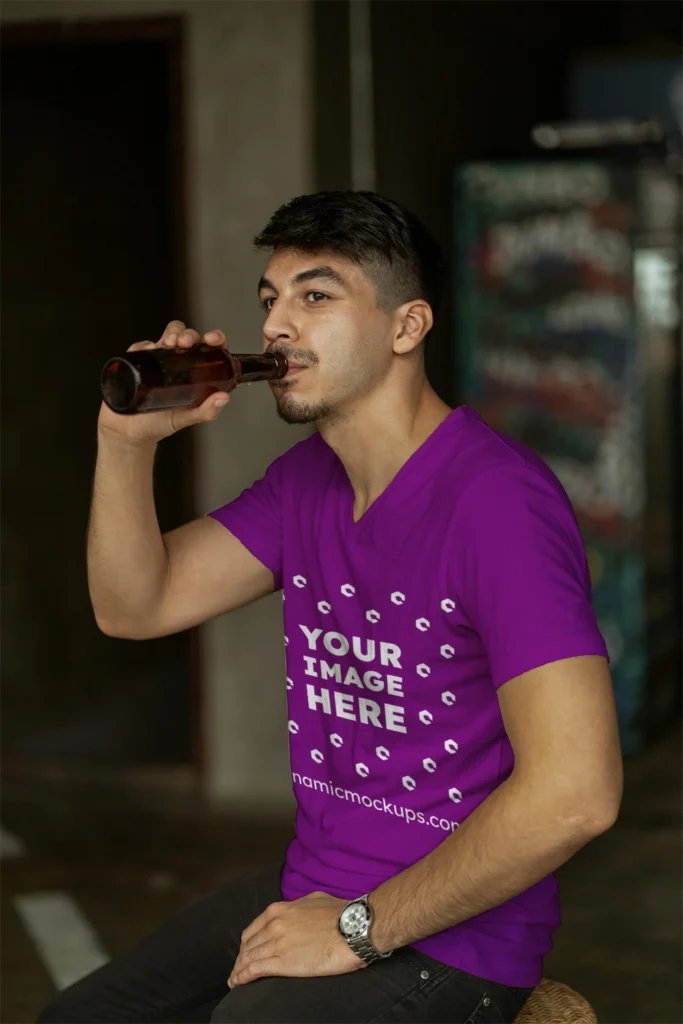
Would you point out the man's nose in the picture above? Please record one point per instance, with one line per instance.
(278, 326)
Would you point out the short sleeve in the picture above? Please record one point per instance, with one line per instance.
(255, 518)
(521, 572)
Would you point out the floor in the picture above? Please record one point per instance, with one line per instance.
(621, 941)
(128, 861)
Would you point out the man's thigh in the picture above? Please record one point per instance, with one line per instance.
(407, 987)
(182, 965)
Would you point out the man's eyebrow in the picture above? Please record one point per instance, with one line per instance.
(314, 273)
(325, 272)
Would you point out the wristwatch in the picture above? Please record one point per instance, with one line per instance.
(354, 925)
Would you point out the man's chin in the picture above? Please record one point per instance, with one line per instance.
(294, 410)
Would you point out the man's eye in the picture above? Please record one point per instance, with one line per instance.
(316, 296)
(267, 304)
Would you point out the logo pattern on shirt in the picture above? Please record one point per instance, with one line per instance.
(325, 667)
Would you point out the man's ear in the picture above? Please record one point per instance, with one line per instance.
(415, 320)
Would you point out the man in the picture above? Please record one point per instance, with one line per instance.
(452, 729)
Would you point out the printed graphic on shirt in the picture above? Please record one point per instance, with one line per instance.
(354, 677)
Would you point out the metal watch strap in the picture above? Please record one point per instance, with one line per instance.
(363, 948)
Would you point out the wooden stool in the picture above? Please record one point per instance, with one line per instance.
(551, 1002)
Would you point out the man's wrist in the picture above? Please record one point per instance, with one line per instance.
(378, 931)
(119, 443)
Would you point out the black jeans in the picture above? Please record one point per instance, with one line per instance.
(179, 974)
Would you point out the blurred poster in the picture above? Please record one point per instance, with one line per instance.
(548, 353)
(619, 86)
(606, 86)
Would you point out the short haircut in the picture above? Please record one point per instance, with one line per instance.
(393, 248)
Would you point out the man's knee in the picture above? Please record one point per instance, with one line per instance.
(220, 1014)
(73, 1005)
(59, 1011)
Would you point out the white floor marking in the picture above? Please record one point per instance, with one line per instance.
(66, 942)
(10, 845)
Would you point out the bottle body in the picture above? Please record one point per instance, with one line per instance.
(153, 379)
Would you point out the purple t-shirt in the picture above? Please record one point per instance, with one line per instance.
(466, 571)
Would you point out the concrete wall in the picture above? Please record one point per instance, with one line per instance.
(249, 148)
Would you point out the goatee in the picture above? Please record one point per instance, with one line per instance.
(291, 411)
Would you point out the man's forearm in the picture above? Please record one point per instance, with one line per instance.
(127, 560)
(515, 838)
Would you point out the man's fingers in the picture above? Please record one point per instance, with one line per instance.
(184, 339)
(266, 935)
(242, 974)
(177, 335)
(264, 949)
(257, 925)
(216, 338)
(188, 337)
(139, 345)
(172, 329)
(259, 922)
(180, 339)
(270, 914)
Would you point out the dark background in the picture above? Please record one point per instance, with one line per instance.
(458, 81)
(92, 252)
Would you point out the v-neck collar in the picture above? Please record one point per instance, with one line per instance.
(417, 468)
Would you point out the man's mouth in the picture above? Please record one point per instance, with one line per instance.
(294, 369)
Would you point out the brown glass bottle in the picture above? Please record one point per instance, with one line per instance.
(156, 378)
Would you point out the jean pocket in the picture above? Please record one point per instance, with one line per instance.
(499, 1008)
(425, 967)
(481, 1012)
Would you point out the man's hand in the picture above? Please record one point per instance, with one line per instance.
(155, 426)
(298, 939)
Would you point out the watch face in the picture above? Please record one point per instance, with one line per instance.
(353, 919)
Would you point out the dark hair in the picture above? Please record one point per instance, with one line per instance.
(393, 247)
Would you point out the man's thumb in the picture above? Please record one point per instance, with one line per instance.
(204, 413)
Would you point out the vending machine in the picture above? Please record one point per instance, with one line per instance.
(567, 337)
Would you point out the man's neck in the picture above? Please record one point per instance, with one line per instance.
(375, 439)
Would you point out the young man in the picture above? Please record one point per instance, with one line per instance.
(452, 729)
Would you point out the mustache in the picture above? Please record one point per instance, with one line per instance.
(291, 354)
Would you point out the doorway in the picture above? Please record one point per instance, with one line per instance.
(93, 248)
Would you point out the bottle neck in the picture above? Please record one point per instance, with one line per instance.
(251, 368)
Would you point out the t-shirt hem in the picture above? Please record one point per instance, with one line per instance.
(519, 973)
(577, 649)
(495, 957)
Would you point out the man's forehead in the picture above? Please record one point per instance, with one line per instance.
(289, 266)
